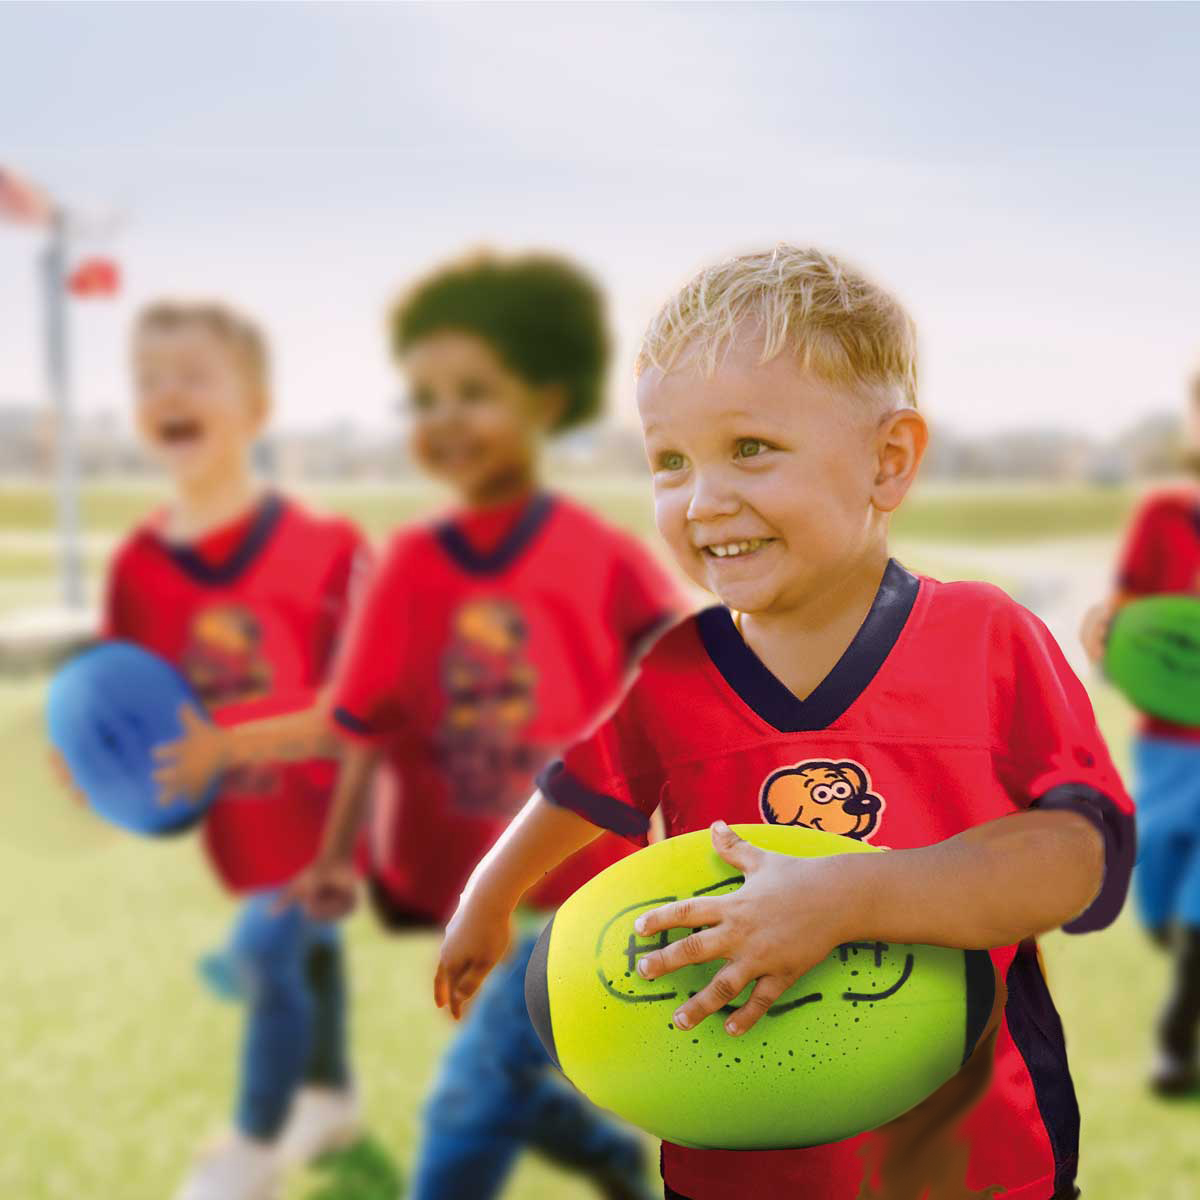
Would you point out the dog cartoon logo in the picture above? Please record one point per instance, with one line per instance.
(834, 797)
(223, 660)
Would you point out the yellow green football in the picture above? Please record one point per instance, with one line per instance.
(857, 1041)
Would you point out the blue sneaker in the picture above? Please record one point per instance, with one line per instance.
(221, 974)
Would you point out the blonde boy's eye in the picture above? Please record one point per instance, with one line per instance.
(420, 400)
(750, 447)
(670, 460)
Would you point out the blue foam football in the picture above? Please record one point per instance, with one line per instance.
(106, 710)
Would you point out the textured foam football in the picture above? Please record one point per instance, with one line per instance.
(106, 710)
(1153, 656)
(861, 1038)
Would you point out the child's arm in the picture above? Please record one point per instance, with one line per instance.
(328, 888)
(187, 766)
(991, 885)
(540, 838)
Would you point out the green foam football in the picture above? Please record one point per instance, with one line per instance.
(858, 1040)
(1153, 656)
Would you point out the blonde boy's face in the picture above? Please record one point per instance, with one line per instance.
(763, 476)
(197, 410)
(476, 424)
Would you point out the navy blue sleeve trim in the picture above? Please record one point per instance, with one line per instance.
(560, 787)
(1120, 849)
(347, 720)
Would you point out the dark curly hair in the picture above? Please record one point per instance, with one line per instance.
(543, 315)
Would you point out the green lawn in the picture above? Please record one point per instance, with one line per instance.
(933, 513)
(114, 1064)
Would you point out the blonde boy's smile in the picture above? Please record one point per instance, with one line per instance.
(736, 549)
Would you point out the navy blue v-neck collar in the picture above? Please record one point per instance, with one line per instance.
(746, 673)
(457, 545)
(270, 511)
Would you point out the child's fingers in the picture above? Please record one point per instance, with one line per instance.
(724, 988)
(736, 851)
(166, 752)
(692, 912)
(465, 986)
(441, 991)
(766, 991)
(701, 945)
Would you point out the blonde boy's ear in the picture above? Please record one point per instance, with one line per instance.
(900, 445)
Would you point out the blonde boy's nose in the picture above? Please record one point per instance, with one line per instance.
(710, 499)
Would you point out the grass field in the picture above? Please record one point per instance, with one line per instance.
(114, 1064)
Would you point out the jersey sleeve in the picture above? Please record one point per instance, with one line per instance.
(643, 598)
(1139, 568)
(1051, 755)
(368, 679)
(610, 777)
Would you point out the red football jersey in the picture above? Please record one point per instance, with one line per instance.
(1162, 554)
(251, 616)
(952, 706)
(471, 668)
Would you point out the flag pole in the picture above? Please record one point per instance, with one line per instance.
(58, 375)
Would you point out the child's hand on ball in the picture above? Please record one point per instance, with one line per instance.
(787, 917)
(1093, 632)
(476, 940)
(186, 767)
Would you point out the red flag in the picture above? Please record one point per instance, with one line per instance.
(23, 201)
(94, 277)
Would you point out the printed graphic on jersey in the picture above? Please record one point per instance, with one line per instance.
(834, 797)
(223, 658)
(491, 688)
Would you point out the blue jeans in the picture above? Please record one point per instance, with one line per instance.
(1167, 879)
(497, 1093)
(289, 972)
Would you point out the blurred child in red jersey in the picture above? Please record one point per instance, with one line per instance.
(1162, 554)
(488, 640)
(246, 592)
(834, 689)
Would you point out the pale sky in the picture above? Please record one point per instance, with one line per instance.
(1025, 177)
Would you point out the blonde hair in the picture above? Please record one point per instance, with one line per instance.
(836, 322)
(243, 336)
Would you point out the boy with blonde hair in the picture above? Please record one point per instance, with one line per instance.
(778, 397)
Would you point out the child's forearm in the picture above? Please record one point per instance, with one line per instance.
(541, 837)
(291, 737)
(349, 805)
(992, 885)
